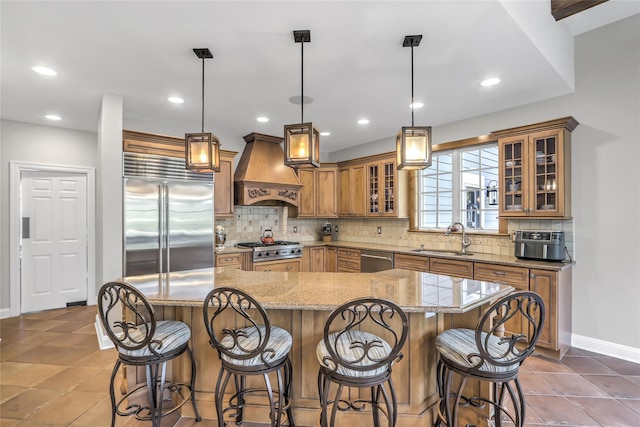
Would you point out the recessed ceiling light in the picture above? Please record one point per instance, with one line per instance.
(416, 105)
(53, 117)
(363, 122)
(490, 82)
(263, 119)
(325, 133)
(175, 100)
(44, 71)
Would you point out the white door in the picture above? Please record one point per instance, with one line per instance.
(53, 235)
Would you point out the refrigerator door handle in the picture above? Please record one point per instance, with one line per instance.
(166, 231)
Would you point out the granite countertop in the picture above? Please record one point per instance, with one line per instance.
(413, 291)
(475, 257)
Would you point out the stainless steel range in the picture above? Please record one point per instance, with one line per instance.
(275, 251)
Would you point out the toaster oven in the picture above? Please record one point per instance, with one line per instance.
(541, 245)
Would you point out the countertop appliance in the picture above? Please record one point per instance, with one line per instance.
(168, 216)
(372, 261)
(280, 249)
(542, 245)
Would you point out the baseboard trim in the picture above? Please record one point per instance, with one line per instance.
(5, 313)
(103, 340)
(607, 348)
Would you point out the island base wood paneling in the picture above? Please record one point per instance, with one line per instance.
(414, 376)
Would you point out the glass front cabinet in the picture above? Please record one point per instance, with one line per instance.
(535, 170)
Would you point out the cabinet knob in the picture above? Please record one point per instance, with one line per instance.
(290, 267)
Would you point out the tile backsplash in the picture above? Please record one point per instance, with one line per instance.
(249, 222)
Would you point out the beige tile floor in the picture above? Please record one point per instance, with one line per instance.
(52, 373)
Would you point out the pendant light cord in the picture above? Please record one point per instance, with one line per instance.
(202, 94)
(302, 82)
(412, 106)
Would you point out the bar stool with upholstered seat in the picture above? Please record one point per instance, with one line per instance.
(483, 354)
(362, 339)
(247, 344)
(129, 321)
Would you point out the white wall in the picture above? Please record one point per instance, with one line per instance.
(36, 144)
(605, 175)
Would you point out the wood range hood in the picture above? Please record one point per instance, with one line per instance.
(261, 177)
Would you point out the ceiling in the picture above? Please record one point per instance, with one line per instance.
(355, 66)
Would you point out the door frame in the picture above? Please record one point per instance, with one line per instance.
(15, 174)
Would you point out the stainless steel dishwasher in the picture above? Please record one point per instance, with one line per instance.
(372, 261)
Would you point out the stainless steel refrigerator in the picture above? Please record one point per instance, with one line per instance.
(168, 216)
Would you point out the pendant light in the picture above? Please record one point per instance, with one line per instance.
(202, 150)
(302, 140)
(413, 144)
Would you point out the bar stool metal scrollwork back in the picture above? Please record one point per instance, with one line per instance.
(130, 322)
(362, 340)
(484, 354)
(247, 344)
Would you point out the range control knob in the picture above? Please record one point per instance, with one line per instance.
(266, 254)
(259, 254)
(277, 253)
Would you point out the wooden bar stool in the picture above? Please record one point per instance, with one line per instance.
(362, 339)
(247, 344)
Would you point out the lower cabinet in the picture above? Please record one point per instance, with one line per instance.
(287, 265)
(451, 267)
(331, 259)
(317, 258)
(348, 260)
(229, 260)
(411, 262)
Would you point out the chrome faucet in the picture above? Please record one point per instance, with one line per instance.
(465, 242)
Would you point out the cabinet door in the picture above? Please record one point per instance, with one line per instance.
(307, 206)
(317, 259)
(223, 189)
(290, 266)
(326, 189)
(513, 153)
(344, 193)
(411, 262)
(545, 284)
(547, 177)
(357, 190)
(374, 198)
(450, 267)
(331, 259)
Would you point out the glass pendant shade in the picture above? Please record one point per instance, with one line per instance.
(301, 145)
(202, 152)
(413, 147)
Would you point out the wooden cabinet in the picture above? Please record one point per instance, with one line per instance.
(351, 196)
(288, 266)
(229, 260)
(384, 189)
(223, 186)
(451, 267)
(317, 258)
(348, 260)
(331, 259)
(319, 192)
(411, 262)
(518, 277)
(535, 169)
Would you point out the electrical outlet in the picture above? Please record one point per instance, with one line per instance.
(379, 230)
(336, 228)
(295, 229)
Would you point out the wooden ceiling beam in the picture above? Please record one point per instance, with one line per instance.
(564, 8)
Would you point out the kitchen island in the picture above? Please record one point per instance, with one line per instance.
(300, 303)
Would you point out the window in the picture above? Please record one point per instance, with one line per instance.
(455, 188)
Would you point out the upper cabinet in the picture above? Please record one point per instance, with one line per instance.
(535, 169)
(318, 195)
(223, 186)
(352, 191)
(373, 186)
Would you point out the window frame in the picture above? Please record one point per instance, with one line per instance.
(415, 187)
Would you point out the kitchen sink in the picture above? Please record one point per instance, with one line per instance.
(441, 252)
